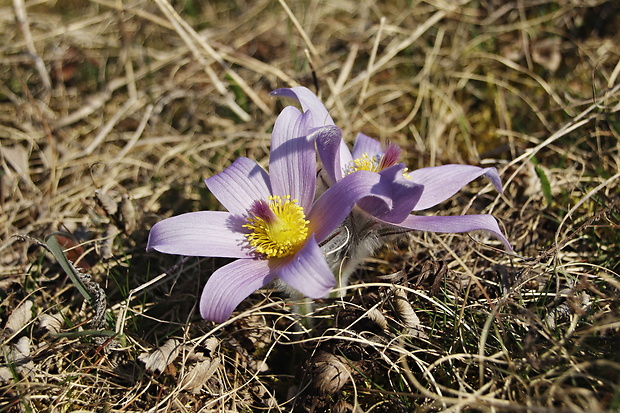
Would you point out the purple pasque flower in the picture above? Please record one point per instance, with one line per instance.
(434, 184)
(273, 225)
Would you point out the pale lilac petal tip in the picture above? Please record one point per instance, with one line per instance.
(442, 182)
(309, 102)
(307, 271)
(239, 185)
(200, 234)
(366, 145)
(230, 285)
(456, 224)
(492, 175)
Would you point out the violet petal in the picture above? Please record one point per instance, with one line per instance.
(366, 145)
(333, 153)
(201, 234)
(307, 271)
(403, 192)
(292, 164)
(442, 182)
(309, 102)
(239, 185)
(334, 205)
(455, 223)
(230, 285)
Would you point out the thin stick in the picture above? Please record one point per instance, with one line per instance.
(22, 19)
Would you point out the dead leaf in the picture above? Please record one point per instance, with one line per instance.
(109, 205)
(5, 374)
(211, 344)
(19, 356)
(105, 249)
(199, 374)
(376, 316)
(161, 357)
(51, 322)
(127, 214)
(19, 317)
(329, 372)
(406, 313)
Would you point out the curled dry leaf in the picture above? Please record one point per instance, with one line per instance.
(19, 356)
(109, 205)
(342, 406)
(158, 359)
(406, 313)
(105, 249)
(127, 214)
(398, 277)
(211, 345)
(199, 374)
(376, 316)
(19, 317)
(329, 372)
(51, 322)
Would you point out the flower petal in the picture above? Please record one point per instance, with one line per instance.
(292, 164)
(441, 182)
(403, 192)
(309, 102)
(307, 271)
(366, 145)
(333, 152)
(334, 205)
(230, 285)
(201, 234)
(456, 223)
(239, 185)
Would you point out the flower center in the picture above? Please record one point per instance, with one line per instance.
(364, 163)
(376, 163)
(278, 227)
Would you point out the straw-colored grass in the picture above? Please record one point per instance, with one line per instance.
(129, 105)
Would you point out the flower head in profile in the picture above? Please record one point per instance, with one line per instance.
(410, 191)
(272, 224)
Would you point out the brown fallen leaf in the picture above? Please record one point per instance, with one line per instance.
(159, 358)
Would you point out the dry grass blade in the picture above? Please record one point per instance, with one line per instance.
(190, 36)
(22, 19)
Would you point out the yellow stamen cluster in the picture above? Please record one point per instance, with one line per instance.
(364, 163)
(282, 233)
